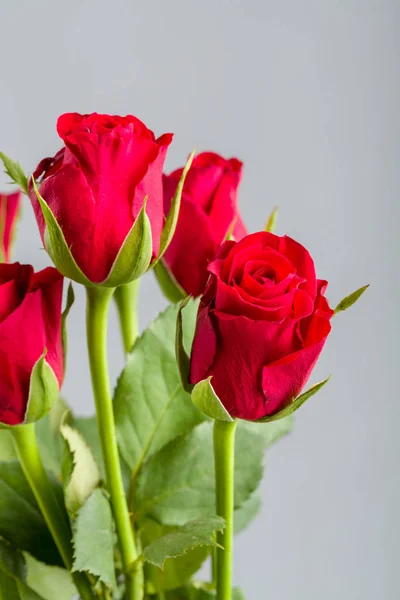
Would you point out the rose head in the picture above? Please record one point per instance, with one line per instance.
(96, 186)
(30, 341)
(9, 209)
(262, 323)
(208, 212)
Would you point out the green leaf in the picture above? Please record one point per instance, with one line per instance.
(15, 172)
(13, 575)
(43, 391)
(177, 484)
(94, 539)
(168, 284)
(192, 535)
(50, 582)
(182, 357)
(247, 512)
(172, 218)
(350, 300)
(272, 219)
(56, 246)
(150, 405)
(68, 306)
(12, 561)
(135, 254)
(7, 448)
(48, 436)
(207, 401)
(200, 591)
(176, 572)
(296, 403)
(272, 432)
(21, 522)
(80, 472)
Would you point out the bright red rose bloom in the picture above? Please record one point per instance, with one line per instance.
(30, 324)
(96, 185)
(9, 210)
(208, 211)
(262, 323)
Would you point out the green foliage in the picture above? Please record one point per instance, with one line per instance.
(94, 539)
(168, 284)
(199, 591)
(80, 472)
(182, 357)
(15, 172)
(68, 306)
(21, 522)
(192, 535)
(151, 407)
(13, 576)
(272, 219)
(175, 573)
(350, 300)
(177, 484)
(49, 582)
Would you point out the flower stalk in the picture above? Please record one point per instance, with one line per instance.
(98, 300)
(224, 457)
(126, 298)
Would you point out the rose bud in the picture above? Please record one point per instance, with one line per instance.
(9, 211)
(262, 323)
(31, 353)
(99, 200)
(208, 214)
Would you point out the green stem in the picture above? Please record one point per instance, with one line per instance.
(126, 297)
(26, 445)
(224, 456)
(98, 301)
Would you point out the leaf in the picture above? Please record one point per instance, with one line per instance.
(94, 539)
(7, 448)
(177, 484)
(68, 306)
(172, 218)
(13, 575)
(21, 522)
(135, 254)
(43, 391)
(176, 572)
(48, 436)
(207, 401)
(296, 403)
(272, 432)
(182, 357)
(15, 172)
(168, 284)
(200, 591)
(50, 582)
(350, 300)
(192, 535)
(272, 219)
(80, 471)
(151, 407)
(247, 512)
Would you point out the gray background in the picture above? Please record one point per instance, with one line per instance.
(307, 95)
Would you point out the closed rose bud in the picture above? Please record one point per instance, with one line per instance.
(262, 323)
(31, 353)
(207, 215)
(96, 187)
(9, 210)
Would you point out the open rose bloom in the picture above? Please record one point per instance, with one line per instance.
(262, 323)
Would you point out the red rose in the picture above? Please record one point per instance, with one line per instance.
(96, 185)
(9, 209)
(30, 324)
(208, 211)
(262, 323)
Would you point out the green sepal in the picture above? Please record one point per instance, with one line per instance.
(135, 254)
(172, 218)
(132, 261)
(197, 533)
(350, 300)
(68, 306)
(272, 219)
(207, 401)
(16, 173)
(43, 391)
(296, 403)
(182, 357)
(168, 284)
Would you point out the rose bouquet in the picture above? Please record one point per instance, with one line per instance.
(130, 503)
